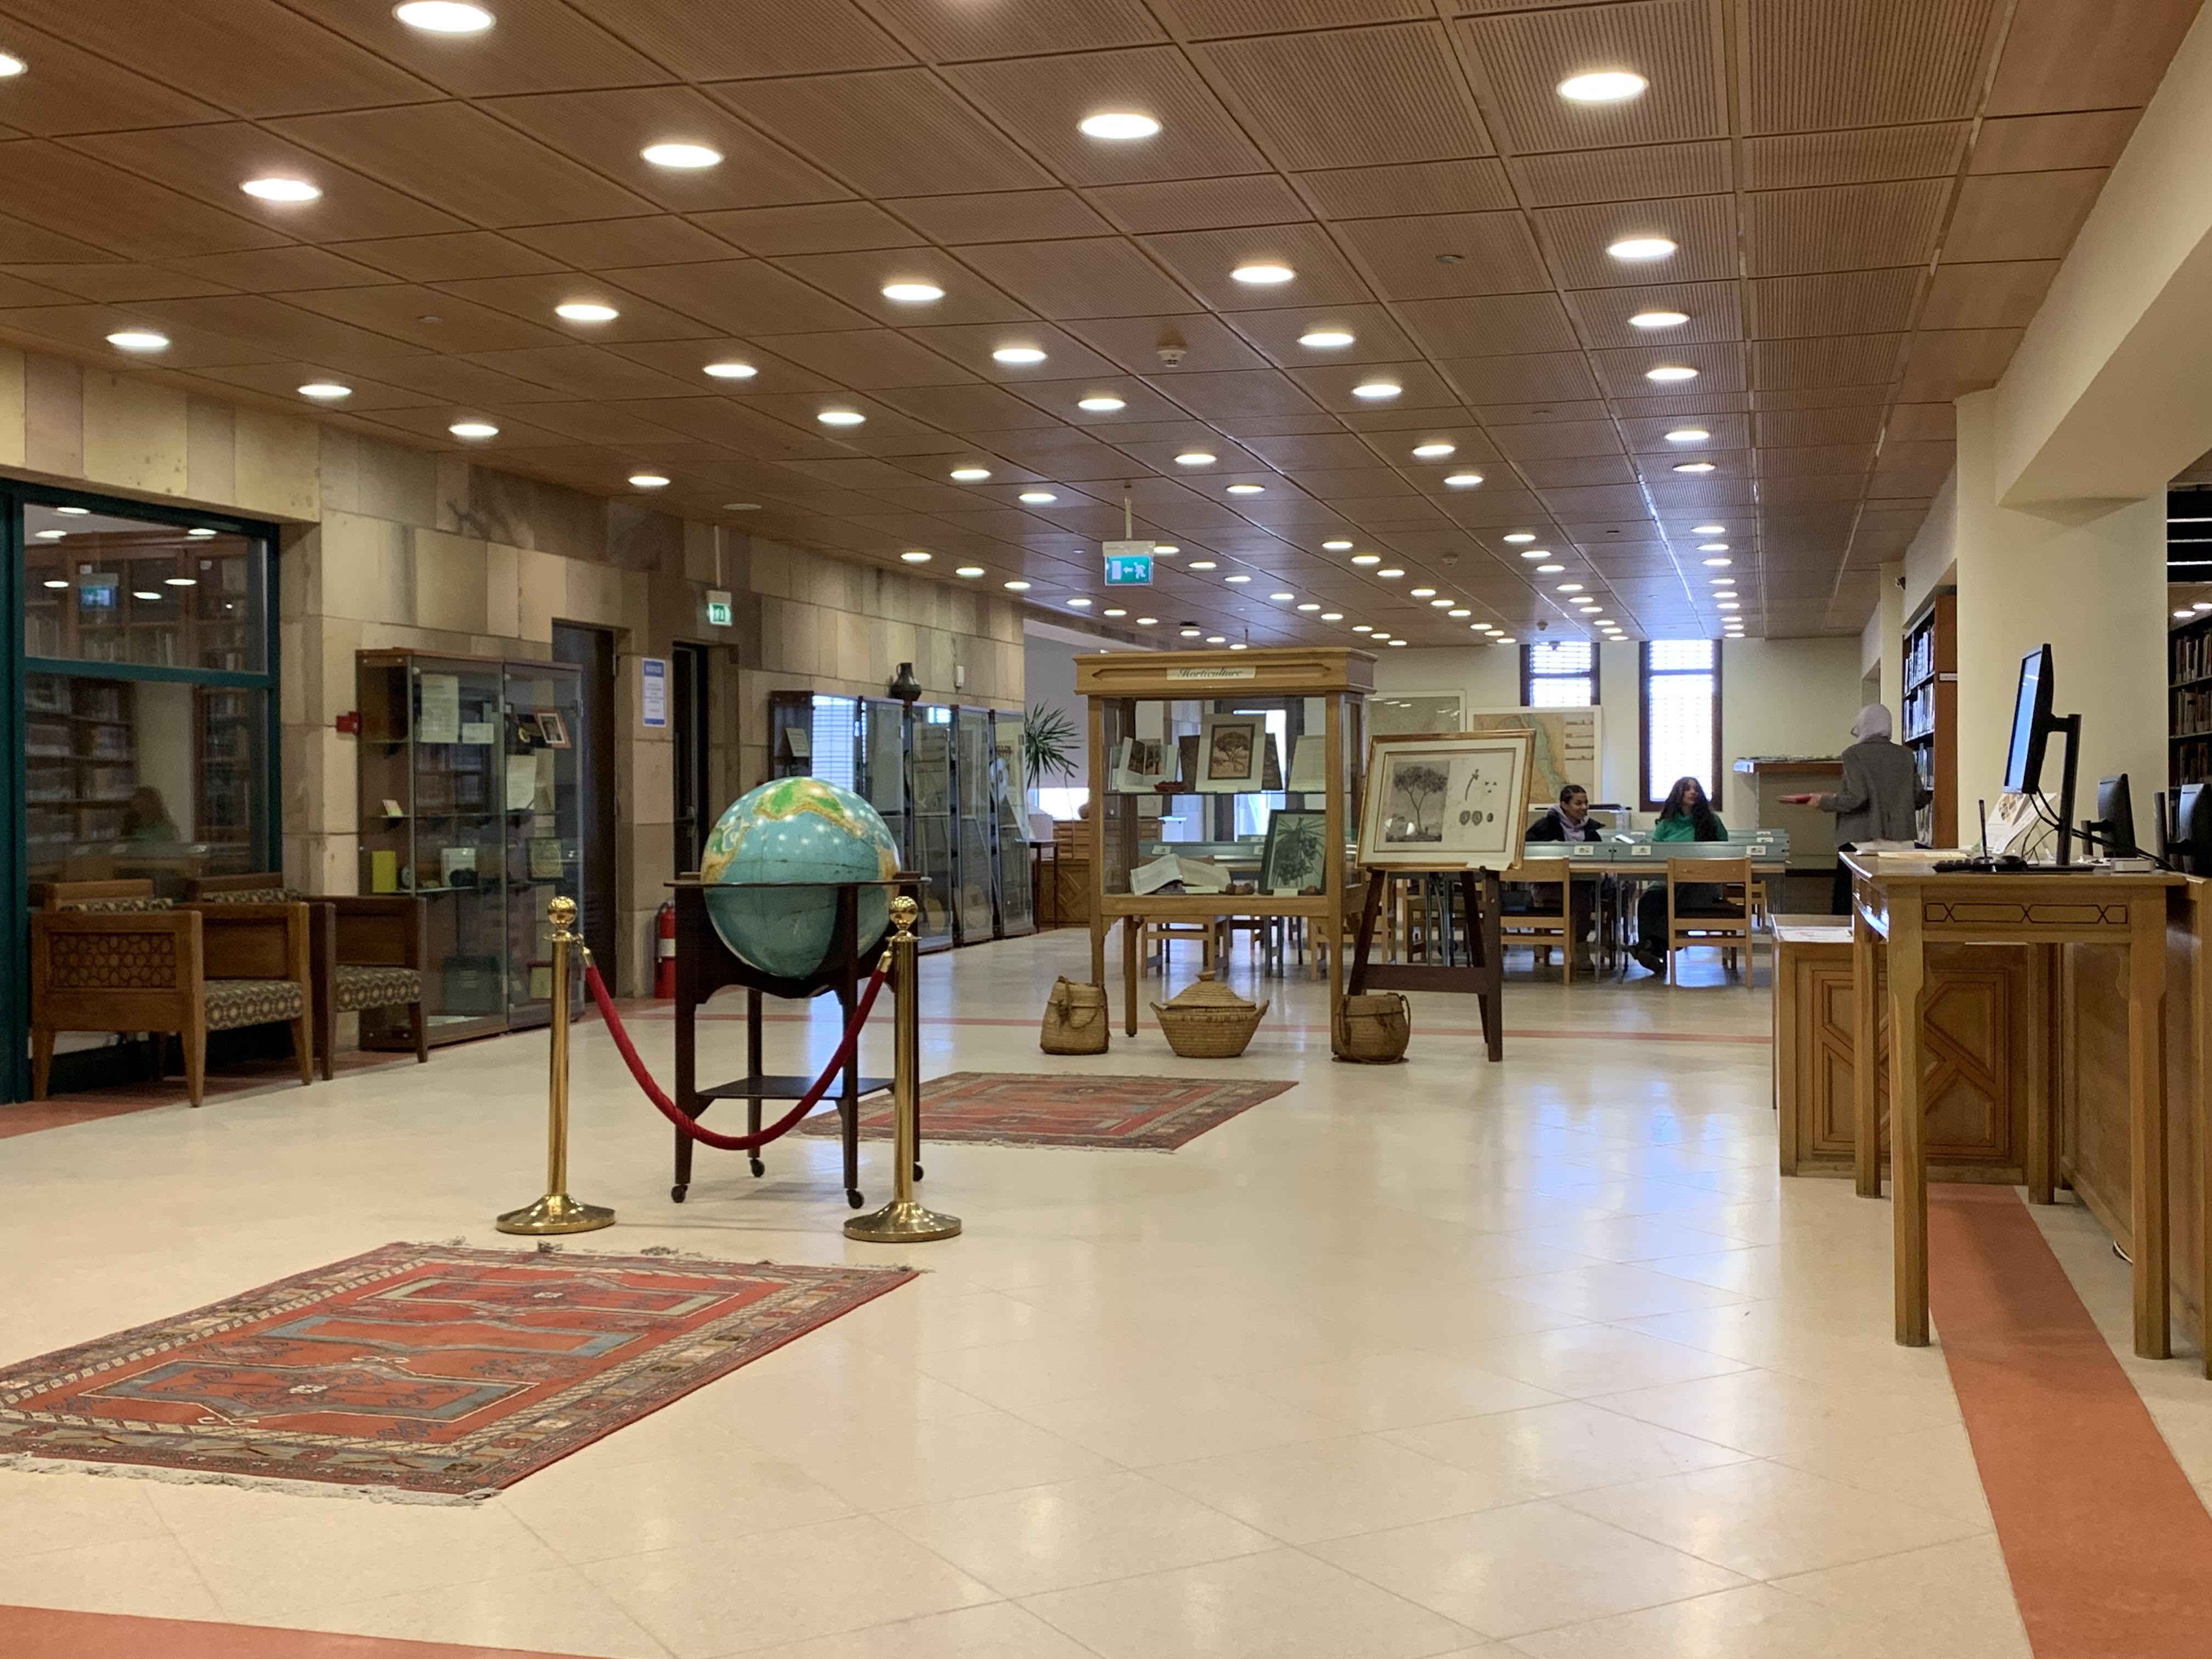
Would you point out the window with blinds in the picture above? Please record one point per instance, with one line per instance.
(833, 725)
(1681, 717)
(1559, 674)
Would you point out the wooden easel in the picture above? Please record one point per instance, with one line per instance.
(1483, 980)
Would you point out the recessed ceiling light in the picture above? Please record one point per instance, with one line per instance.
(1332, 615)
(1190, 631)
(1361, 627)
(1659, 319)
(1667, 373)
(1114, 610)
(1336, 545)
(1236, 579)
(1394, 643)
(1433, 452)
(1148, 621)
(1517, 537)
(1504, 639)
(1688, 435)
(1708, 530)
(1603, 87)
(1309, 606)
(1391, 574)
(1166, 549)
(685, 157)
(1247, 489)
(1716, 564)
(473, 429)
(1282, 599)
(50, 535)
(1240, 646)
(443, 16)
(142, 594)
(841, 417)
(911, 292)
(1374, 391)
(1204, 564)
(587, 310)
(1018, 587)
(1721, 581)
(741, 506)
(1195, 458)
(11, 66)
(915, 555)
(1263, 274)
(1017, 355)
(1102, 404)
(1367, 558)
(74, 512)
(202, 533)
(971, 570)
(1713, 547)
(1602, 621)
(1641, 247)
(326, 390)
(1570, 587)
(1458, 613)
(1728, 604)
(1037, 497)
(281, 190)
(1463, 480)
(1118, 124)
(1440, 605)
(649, 480)
(971, 474)
(1422, 593)
(1549, 569)
(732, 371)
(1326, 339)
(180, 581)
(1217, 639)
(1694, 466)
(138, 339)
(1079, 604)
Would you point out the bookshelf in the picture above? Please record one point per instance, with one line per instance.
(1930, 714)
(2189, 702)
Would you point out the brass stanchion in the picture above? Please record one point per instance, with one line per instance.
(557, 1212)
(904, 1220)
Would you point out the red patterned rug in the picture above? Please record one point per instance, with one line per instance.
(1053, 1108)
(426, 1368)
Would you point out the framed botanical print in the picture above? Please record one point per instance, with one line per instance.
(1295, 857)
(1449, 801)
(1231, 754)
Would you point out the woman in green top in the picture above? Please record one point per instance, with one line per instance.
(1687, 816)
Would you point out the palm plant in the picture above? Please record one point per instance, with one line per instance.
(1048, 743)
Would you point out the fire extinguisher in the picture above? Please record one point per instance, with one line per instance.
(663, 964)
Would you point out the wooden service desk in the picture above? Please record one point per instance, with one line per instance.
(1900, 908)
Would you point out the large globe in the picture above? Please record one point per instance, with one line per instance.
(795, 830)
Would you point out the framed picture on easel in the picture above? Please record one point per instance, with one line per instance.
(1445, 801)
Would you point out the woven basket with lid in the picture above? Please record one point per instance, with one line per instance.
(1206, 1020)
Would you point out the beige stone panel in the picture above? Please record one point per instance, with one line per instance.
(652, 780)
(699, 552)
(595, 594)
(933, 663)
(326, 864)
(402, 483)
(299, 575)
(210, 450)
(775, 568)
(339, 468)
(11, 406)
(134, 433)
(279, 465)
(337, 687)
(292, 639)
(367, 570)
(451, 578)
(895, 641)
(542, 588)
(502, 590)
(851, 657)
(967, 612)
(835, 585)
(53, 416)
(636, 604)
(449, 492)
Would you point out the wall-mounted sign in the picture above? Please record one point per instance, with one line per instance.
(653, 691)
(1128, 564)
(720, 613)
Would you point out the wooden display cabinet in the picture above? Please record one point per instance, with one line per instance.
(1930, 714)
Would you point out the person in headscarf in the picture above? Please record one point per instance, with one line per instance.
(1881, 797)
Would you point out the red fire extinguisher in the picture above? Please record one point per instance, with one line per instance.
(664, 963)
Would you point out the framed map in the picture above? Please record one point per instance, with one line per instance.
(1566, 749)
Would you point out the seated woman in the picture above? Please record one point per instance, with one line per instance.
(1687, 816)
(1570, 820)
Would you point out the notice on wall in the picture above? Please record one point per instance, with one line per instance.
(440, 718)
(480, 732)
(653, 691)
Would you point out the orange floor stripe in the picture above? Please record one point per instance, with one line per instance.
(2109, 1546)
(47, 1633)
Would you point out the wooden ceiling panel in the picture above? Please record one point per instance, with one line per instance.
(1331, 386)
(473, 387)
(117, 211)
(540, 46)
(1674, 43)
(21, 243)
(1998, 296)
(1529, 379)
(457, 257)
(859, 279)
(120, 284)
(1784, 461)
(76, 91)
(267, 270)
(889, 132)
(1822, 397)
(1553, 472)
(1947, 363)
(1080, 277)
(1821, 487)
(15, 292)
(741, 296)
(1230, 397)
(659, 238)
(1702, 227)
(1924, 422)
(1428, 188)
(582, 372)
(950, 30)
(1843, 228)
(1204, 258)
(971, 346)
(280, 380)
(1209, 344)
(1864, 156)
(2051, 143)
(1623, 371)
(1801, 427)
(1544, 440)
(1444, 256)
(279, 327)
(1579, 178)
(1809, 65)
(1843, 302)
(866, 359)
(1351, 98)
(1264, 198)
(1648, 436)
(1021, 216)
(1377, 337)
(2083, 55)
(1490, 326)
(1595, 501)
(428, 320)
(1715, 311)
(1835, 359)
(532, 298)
(1041, 99)
(2021, 216)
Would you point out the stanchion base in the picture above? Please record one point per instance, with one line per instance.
(557, 1212)
(902, 1221)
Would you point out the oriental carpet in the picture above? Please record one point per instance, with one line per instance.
(1057, 1109)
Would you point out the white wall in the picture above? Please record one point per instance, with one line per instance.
(1048, 679)
(1783, 697)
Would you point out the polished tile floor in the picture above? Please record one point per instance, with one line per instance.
(1535, 1358)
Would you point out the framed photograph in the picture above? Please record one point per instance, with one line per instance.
(1229, 751)
(1295, 855)
(552, 730)
(1140, 764)
(1445, 801)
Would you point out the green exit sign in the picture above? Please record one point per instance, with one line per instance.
(719, 611)
(1128, 564)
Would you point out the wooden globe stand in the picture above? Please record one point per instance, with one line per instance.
(705, 965)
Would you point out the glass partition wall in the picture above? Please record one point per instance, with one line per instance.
(138, 690)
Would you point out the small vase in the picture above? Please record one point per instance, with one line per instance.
(904, 685)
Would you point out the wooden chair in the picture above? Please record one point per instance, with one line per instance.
(364, 952)
(1542, 920)
(1726, 924)
(108, 961)
(1158, 934)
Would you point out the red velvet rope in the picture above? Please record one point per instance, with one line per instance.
(688, 1125)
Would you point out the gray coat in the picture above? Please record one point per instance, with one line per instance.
(1881, 793)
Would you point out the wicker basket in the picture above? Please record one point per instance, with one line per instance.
(1373, 1028)
(1075, 1020)
(1206, 1020)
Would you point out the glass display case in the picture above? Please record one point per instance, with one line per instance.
(469, 798)
(975, 914)
(1010, 807)
(929, 777)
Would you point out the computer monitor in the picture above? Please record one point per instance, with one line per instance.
(2032, 724)
(2114, 828)
(2192, 845)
